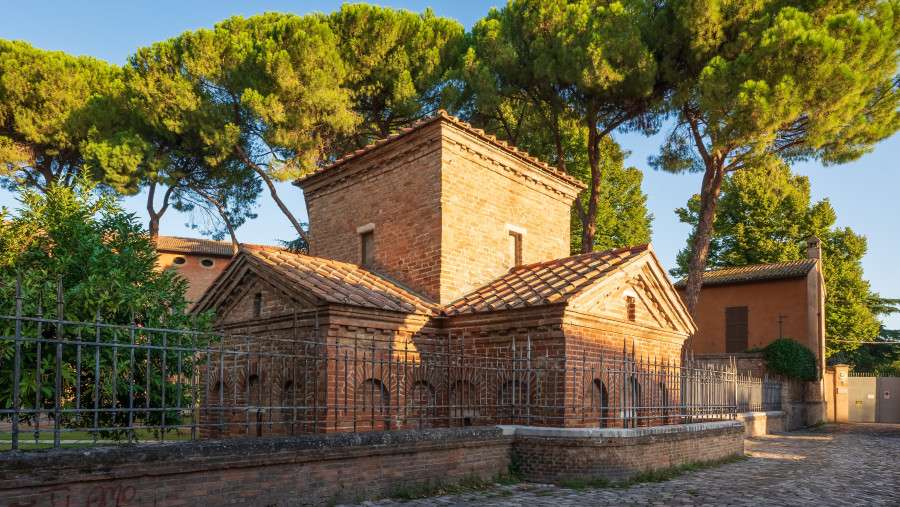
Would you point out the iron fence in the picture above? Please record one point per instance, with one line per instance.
(98, 382)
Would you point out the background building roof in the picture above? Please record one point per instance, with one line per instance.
(194, 245)
(754, 273)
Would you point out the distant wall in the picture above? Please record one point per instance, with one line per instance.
(199, 277)
(765, 302)
(802, 402)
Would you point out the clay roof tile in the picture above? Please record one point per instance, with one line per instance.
(544, 283)
(754, 273)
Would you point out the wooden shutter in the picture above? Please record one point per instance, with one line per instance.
(736, 329)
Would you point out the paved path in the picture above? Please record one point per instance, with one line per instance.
(836, 464)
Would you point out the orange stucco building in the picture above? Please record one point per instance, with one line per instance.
(200, 261)
(746, 307)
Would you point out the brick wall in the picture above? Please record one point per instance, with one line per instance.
(398, 189)
(551, 454)
(273, 471)
(484, 191)
(352, 467)
(441, 200)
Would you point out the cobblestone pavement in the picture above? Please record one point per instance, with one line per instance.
(836, 464)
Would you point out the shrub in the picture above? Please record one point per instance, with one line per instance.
(789, 358)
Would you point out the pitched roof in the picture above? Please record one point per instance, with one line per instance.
(194, 245)
(442, 115)
(545, 283)
(754, 273)
(339, 282)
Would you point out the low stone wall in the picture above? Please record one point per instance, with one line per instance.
(310, 470)
(346, 467)
(758, 424)
(551, 454)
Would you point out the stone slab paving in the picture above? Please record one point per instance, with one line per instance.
(836, 464)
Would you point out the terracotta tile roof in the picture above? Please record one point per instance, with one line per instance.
(194, 245)
(442, 115)
(545, 283)
(202, 246)
(754, 273)
(341, 282)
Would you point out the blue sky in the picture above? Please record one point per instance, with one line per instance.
(864, 193)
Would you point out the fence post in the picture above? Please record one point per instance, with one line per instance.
(57, 402)
(17, 357)
(528, 382)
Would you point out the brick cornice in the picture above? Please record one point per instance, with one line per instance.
(336, 170)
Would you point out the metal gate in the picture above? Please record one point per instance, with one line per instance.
(873, 399)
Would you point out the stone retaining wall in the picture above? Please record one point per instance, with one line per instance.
(345, 467)
(310, 470)
(551, 454)
(763, 423)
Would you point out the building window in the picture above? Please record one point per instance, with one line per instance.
(178, 261)
(736, 331)
(367, 244)
(631, 308)
(207, 263)
(514, 244)
(515, 248)
(257, 304)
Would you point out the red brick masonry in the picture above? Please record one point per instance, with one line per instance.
(343, 467)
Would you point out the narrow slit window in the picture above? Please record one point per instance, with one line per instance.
(515, 248)
(631, 307)
(367, 241)
(257, 304)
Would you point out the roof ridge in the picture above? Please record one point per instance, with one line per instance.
(795, 261)
(754, 272)
(595, 253)
(439, 115)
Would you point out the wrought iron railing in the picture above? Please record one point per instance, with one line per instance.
(67, 381)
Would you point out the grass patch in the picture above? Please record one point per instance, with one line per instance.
(657, 475)
(430, 489)
(693, 492)
(573, 483)
(513, 475)
(80, 438)
(31, 446)
(581, 482)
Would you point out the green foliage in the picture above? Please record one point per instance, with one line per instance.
(757, 84)
(395, 61)
(556, 78)
(881, 358)
(106, 265)
(258, 94)
(765, 215)
(622, 218)
(786, 356)
(49, 103)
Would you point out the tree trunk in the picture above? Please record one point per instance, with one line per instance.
(589, 226)
(265, 177)
(156, 215)
(235, 245)
(709, 199)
